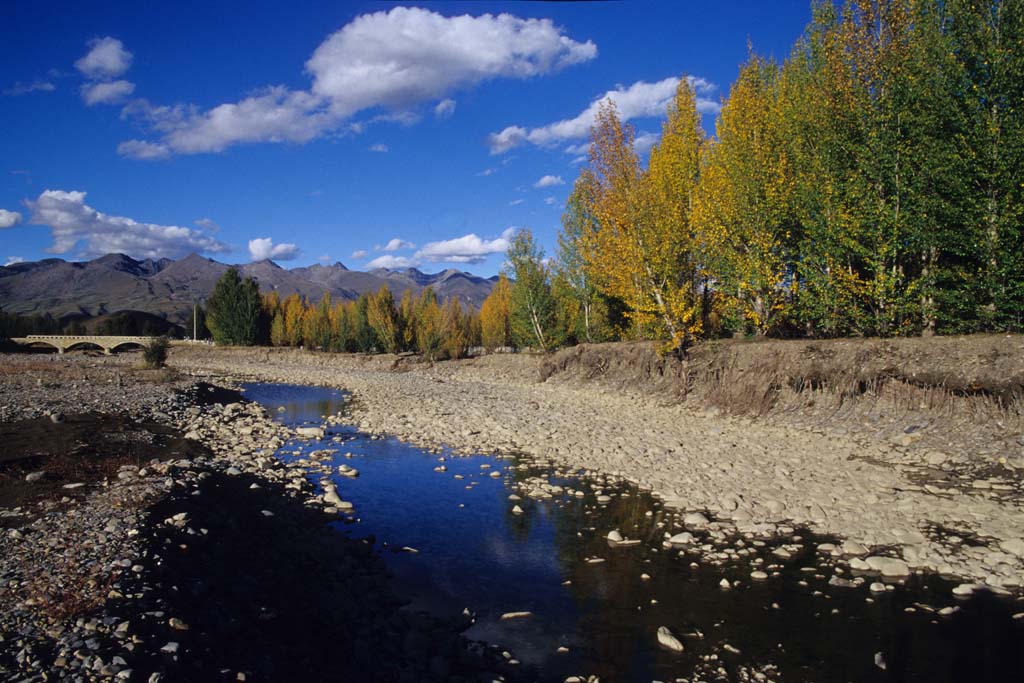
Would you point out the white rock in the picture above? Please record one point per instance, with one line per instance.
(964, 589)
(614, 537)
(695, 520)
(724, 584)
(669, 641)
(888, 566)
(685, 538)
(1014, 546)
(758, 575)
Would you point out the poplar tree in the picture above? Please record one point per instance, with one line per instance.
(532, 308)
(495, 316)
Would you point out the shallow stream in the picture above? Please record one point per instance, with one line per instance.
(452, 541)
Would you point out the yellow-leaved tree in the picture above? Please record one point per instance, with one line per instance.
(643, 250)
(495, 316)
(742, 209)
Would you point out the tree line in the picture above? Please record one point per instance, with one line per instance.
(870, 184)
(238, 314)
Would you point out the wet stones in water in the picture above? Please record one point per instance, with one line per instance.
(515, 615)
(684, 538)
(668, 641)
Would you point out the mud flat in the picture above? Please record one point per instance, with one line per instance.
(908, 490)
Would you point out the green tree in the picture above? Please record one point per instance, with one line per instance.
(234, 310)
(532, 308)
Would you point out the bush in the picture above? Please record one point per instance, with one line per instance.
(155, 355)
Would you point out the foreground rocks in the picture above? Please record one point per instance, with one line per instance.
(215, 567)
(956, 514)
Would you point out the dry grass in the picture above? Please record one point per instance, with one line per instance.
(976, 380)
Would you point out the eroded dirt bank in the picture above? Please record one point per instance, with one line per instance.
(901, 468)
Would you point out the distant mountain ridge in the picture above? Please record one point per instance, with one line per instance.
(168, 288)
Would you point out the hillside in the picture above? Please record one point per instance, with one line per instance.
(168, 289)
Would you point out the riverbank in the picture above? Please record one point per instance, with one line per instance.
(935, 487)
(158, 538)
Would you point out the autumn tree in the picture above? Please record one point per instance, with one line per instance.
(643, 251)
(383, 318)
(294, 309)
(455, 330)
(495, 316)
(429, 325)
(742, 211)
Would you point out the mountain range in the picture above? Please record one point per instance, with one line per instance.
(169, 288)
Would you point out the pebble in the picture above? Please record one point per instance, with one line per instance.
(668, 641)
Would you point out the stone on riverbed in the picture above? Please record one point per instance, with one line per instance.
(515, 615)
(685, 538)
(695, 520)
(309, 432)
(888, 566)
(669, 641)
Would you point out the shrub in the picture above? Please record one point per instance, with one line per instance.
(155, 355)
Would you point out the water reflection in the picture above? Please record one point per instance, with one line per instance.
(474, 552)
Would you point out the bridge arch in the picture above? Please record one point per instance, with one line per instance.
(85, 346)
(43, 345)
(127, 345)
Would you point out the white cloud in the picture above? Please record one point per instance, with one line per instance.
(273, 114)
(106, 93)
(466, 249)
(8, 219)
(20, 88)
(392, 262)
(379, 147)
(324, 258)
(549, 181)
(207, 224)
(445, 108)
(106, 58)
(644, 141)
(12, 260)
(262, 248)
(360, 253)
(140, 149)
(72, 221)
(639, 100)
(516, 202)
(487, 171)
(550, 201)
(395, 244)
(392, 60)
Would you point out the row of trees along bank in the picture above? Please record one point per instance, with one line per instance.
(870, 184)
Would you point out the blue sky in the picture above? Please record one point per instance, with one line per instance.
(368, 133)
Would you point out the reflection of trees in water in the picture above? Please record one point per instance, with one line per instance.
(805, 638)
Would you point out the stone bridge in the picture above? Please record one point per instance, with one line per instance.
(68, 342)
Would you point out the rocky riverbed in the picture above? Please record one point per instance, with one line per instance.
(199, 558)
(899, 508)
